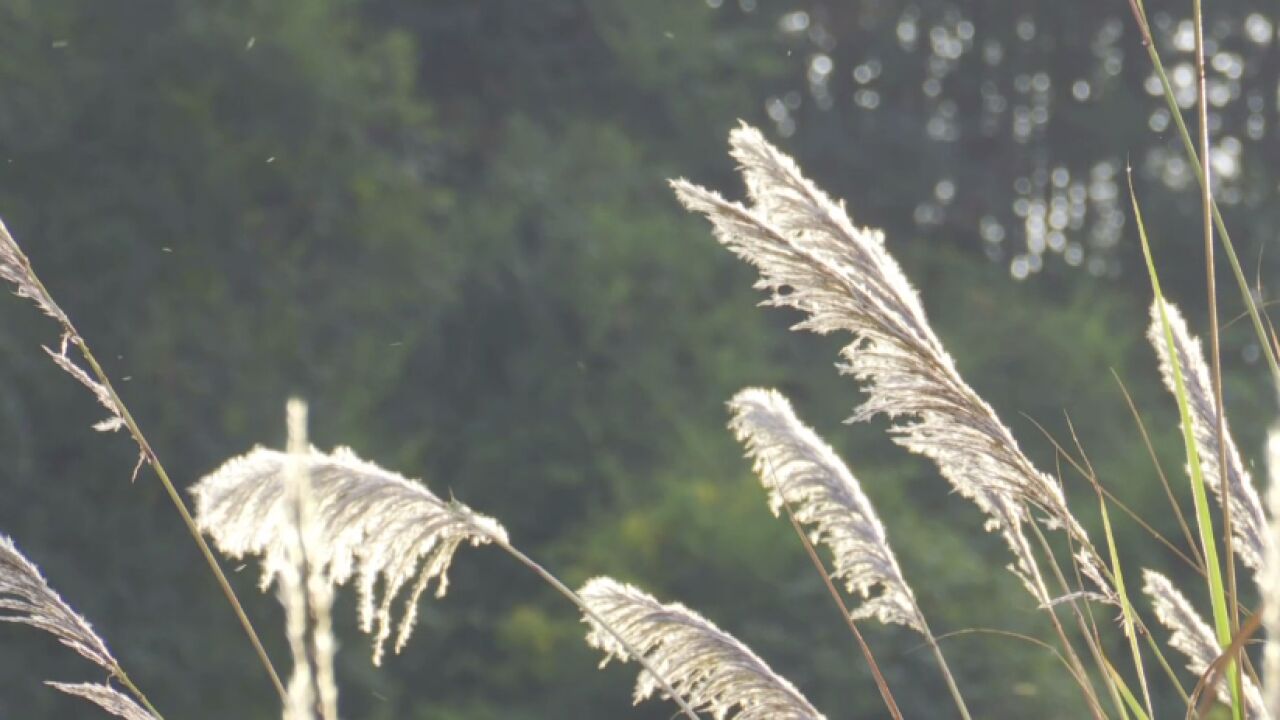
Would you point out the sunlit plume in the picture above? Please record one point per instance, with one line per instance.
(813, 259)
(710, 669)
(802, 472)
(385, 530)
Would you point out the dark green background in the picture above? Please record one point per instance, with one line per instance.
(445, 223)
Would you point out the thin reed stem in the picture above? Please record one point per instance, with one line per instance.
(1042, 592)
(1115, 576)
(946, 671)
(1115, 580)
(1164, 480)
(1133, 515)
(1268, 351)
(147, 454)
(154, 461)
(137, 693)
(1215, 355)
(1086, 630)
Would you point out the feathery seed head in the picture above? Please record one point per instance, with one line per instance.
(709, 668)
(813, 259)
(373, 524)
(1247, 518)
(26, 598)
(801, 471)
(16, 270)
(105, 697)
(1193, 637)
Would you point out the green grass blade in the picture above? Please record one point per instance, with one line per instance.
(1130, 622)
(1213, 572)
(1129, 699)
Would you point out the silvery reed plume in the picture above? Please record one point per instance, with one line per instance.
(715, 672)
(26, 598)
(345, 517)
(1193, 637)
(799, 470)
(1248, 522)
(370, 523)
(813, 259)
(16, 269)
(802, 473)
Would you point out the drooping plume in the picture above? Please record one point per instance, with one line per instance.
(115, 420)
(26, 598)
(105, 697)
(799, 470)
(1192, 637)
(1248, 523)
(16, 270)
(812, 258)
(375, 525)
(710, 669)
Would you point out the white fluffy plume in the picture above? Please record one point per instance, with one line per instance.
(1248, 523)
(1193, 637)
(373, 524)
(813, 259)
(105, 697)
(26, 598)
(16, 270)
(709, 668)
(801, 471)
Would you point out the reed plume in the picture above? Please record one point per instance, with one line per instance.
(27, 598)
(15, 269)
(371, 524)
(1248, 522)
(799, 470)
(710, 669)
(1193, 637)
(813, 259)
(105, 697)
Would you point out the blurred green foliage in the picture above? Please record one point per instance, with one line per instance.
(446, 224)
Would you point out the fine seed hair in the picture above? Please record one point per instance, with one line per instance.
(799, 470)
(1248, 521)
(709, 668)
(386, 531)
(1192, 636)
(813, 259)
